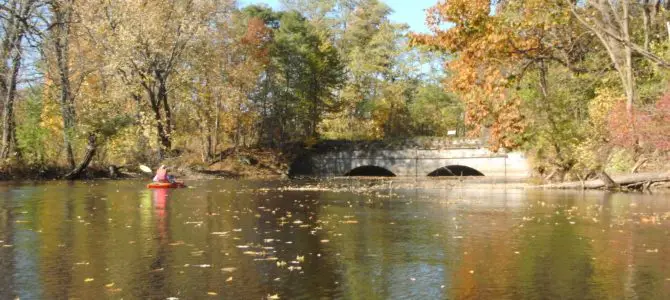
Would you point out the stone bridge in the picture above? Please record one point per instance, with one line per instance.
(450, 158)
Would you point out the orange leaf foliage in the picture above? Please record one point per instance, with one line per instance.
(490, 51)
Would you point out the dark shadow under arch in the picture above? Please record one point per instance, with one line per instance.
(370, 171)
(302, 166)
(455, 170)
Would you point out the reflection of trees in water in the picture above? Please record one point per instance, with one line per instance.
(389, 246)
(554, 261)
(275, 221)
(121, 235)
(7, 270)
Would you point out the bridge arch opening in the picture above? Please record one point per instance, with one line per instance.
(371, 171)
(455, 170)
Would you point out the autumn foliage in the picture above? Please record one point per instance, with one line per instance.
(645, 128)
(491, 53)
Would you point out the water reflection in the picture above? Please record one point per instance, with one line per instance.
(254, 239)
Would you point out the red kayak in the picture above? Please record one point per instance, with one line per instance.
(166, 185)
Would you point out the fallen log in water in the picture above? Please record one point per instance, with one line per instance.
(641, 181)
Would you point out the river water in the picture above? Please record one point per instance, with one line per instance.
(255, 239)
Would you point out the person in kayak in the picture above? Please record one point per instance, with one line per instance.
(162, 175)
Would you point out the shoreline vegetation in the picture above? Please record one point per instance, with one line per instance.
(259, 164)
(92, 89)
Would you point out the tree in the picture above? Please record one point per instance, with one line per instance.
(225, 67)
(62, 12)
(17, 21)
(299, 83)
(146, 44)
(610, 21)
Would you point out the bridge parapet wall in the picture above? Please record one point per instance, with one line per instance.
(417, 162)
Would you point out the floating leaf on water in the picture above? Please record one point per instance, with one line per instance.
(300, 258)
(273, 297)
(229, 279)
(109, 285)
(325, 241)
(229, 269)
(350, 222)
(88, 279)
(212, 293)
(242, 246)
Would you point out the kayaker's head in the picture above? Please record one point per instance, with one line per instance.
(163, 167)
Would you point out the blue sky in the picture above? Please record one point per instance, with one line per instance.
(411, 12)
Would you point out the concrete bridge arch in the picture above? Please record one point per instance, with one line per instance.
(454, 161)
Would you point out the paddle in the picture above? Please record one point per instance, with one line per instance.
(146, 169)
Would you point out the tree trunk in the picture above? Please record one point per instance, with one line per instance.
(634, 181)
(163, 138)
(613, 31)
(628, 58)
(639, 164)
(62, 45)
(8, 122)
(163, 98)
(209, 155)
(646, 21)
(88, 157)
(607, 181)
(217, 124)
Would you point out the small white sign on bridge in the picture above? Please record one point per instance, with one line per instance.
(451, 132)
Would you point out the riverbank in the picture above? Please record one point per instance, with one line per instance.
(649, 181)
(273, 164)
(247, 163)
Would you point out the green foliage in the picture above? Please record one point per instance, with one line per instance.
(31, 135)
(434, 112)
